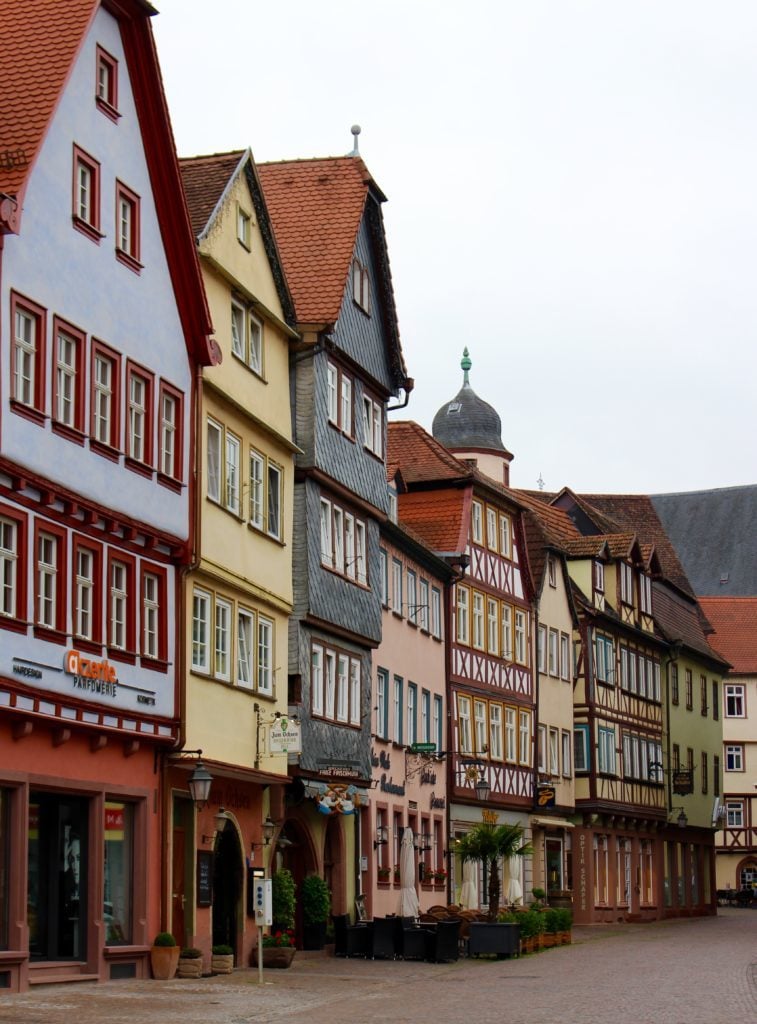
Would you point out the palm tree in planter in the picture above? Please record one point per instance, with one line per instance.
(490, 844)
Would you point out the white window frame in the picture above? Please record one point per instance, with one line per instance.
(554, 751)
(201, 625)
(150, 614)
(342, 688)
(495, 732)
(464, 736)
(47, 580)
(118, 605)
(566, 753)
(412, 597)
(734, 757)
(397, 586)
(317, 680)
(492, 626)
(245, 650)
(232, 456)
(65, 368)
(521, 637)
(355, 691)
(524, 737)
(477, 620)
(103, 398)
(25, 357)
(734, 813)
(505, 536)
(477, 522)
(138, 392)
(327, 542)
(481, 726)
(85, 589)
(734, 702)
(554, 667)
(491, 528)
(564, 656)
(463, 625)
(213, 450)
(222, 633)
(436, 613)
(169, 425)
(507, 632)
(384, 564)
(264, 666)
(423, 618)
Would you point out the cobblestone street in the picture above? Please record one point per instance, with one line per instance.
(701, 971)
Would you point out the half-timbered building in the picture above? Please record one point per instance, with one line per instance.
(103, 325)
(477, 527)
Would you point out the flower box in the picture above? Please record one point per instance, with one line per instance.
(277, 956)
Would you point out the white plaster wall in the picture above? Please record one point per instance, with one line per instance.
(64, 271)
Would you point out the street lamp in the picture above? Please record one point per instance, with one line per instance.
(199, 781)
(483, 789)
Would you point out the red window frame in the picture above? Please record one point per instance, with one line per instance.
(73, 431)
(107, 104)
(57, 632)
(175, 479)
(36, 411)
(144, 465)
(111, 448)
(128, 653)
(129, 255)
(161, 661)
(18, 621)
(88, 226)
(79, 543)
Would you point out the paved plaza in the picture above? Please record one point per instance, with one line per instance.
(700, 971)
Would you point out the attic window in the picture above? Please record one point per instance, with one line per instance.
(453, 407)
(106, 84)
(361, 291)
(244, 228)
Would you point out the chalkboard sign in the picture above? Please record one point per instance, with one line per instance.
(204, 878)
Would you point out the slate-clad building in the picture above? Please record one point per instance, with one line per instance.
(327, 219)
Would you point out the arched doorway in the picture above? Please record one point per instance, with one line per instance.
(227, 887)
(295, 852)
(747, 874)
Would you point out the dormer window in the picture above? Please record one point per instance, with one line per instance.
(106, 84)
(645, 590)
(626, 583)
(361, 291)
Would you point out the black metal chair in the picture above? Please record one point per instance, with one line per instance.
(442, 941)
(350, 939)
(383, 942)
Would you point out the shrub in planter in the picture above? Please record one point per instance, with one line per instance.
(164, 956)
(383, 874)
(552, 921)
(283, 890)
(315, 899)
(278, 949)
(190, 963)
(222, 959)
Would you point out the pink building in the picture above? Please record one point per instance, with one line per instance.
(409, 727)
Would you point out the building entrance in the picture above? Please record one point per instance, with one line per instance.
(57, 874)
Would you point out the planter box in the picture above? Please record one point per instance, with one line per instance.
(500, 938)
(190, 967)
(275, 956)
(223, 964)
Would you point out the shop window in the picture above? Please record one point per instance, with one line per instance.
(117, 873)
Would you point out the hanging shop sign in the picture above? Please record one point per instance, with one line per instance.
(683, 782)
(545, 796)
(285, 736)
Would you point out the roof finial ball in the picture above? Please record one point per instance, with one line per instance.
(355, 129)
(466, 364)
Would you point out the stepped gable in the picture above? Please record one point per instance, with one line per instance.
(316, 207)
(677, 618)
(713, 532)
(205, 179)
(734, 620)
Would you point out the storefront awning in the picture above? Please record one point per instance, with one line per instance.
(552, 822)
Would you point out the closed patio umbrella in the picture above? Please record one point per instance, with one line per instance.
(469, 889)
(513, 888)
(409, 905)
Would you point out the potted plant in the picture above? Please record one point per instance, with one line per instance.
(531, 924)
(164, 956)
(315, 899)
(283, 890)
(278, 949)
(190, 963)
(565, 919)
(491, 844)
(222, 959)
(440, 877)
(539, 896)
(383, 874)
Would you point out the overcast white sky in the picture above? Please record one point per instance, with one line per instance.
(572, 191)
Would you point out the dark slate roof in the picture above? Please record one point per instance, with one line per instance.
(715, 535)
(467, 421)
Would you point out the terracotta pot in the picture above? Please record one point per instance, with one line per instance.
(164, 960)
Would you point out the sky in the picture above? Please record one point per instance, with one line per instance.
(572, 194)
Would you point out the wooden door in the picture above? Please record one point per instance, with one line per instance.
(178, 891)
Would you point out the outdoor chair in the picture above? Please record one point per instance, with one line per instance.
(383, 943)
(350, 939)
(442, 942)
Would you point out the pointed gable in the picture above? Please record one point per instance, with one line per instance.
(205, 180)
(30, 87)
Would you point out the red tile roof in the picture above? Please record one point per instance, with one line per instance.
(205, 178)
(41, 39)
(419, 457)
(440, 517)
(734, 620)
(680, 619)
(316, 207)
(557, 525)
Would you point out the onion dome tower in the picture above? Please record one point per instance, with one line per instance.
(472, 430)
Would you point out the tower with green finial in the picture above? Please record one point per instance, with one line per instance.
(472, 429)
